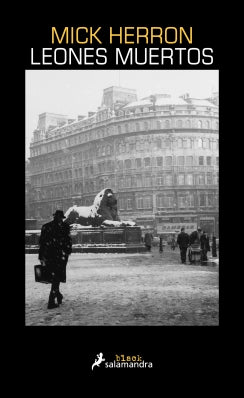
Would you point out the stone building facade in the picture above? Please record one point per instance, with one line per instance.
(158, 154)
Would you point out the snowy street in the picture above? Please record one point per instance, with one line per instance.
(127, 289)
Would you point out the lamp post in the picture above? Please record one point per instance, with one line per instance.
(66, 150)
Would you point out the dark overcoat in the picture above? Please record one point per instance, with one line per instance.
(55, 248)
(204, 241)
(183, 240)
(194, 237)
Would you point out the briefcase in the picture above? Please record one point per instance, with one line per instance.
(42, 274)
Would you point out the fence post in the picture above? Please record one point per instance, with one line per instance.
(161, 244)
(214, 247)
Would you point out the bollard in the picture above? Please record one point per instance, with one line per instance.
(214, 247)
(161, 244)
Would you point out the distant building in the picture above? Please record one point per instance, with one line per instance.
(159, 154)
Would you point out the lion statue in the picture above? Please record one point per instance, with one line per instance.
(103, 208)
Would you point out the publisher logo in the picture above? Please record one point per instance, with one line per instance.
(99, 360)
(122, 361)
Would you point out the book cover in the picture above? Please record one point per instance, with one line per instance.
(128, 112)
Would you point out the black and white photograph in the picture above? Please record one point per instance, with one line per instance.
(121, 197)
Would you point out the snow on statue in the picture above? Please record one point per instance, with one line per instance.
(103, 211)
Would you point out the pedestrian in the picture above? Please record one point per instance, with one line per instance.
(194, 252)
(148, 241)
(205, 246)
(173, 243)
(54, 250)
(195, 236)
(183, 242)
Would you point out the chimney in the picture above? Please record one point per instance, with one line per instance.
(91, 114)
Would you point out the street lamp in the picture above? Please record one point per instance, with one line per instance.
(65, 151)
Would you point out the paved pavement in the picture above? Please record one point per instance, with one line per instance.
(127, 289)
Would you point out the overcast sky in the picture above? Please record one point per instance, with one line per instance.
(74, 92)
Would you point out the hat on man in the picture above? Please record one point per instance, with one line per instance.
(199, 229)
(59, 213)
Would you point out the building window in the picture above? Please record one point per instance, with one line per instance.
(199, 124)
(121, 203)
(210, 198)
(179, 123)
(158, 143)
(189, 179)
(138, 163)
(209, 160)
(201, 161)
(180, 160)
(147, 202)
(201, 179)
(189, 200)
(188, 123)
(147, 162)
(159, 181)
(217, 160)
(139, 181)
(202, 200)
(168, 179)
(167, 143)
(186, 143)
(200, 143)
(129, 204)
(159, 161)
(165, 201)
(120, 164)
(181, 179)
(189, 160)
(146, 126)
(182, 201)
(127, 182)
(158, 124)
(168, 160)
(180, 143)
(167, 124)
(128, 163)
(139, 203)
(147, 181)
(209, 179)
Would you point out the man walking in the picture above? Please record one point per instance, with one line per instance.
(55, 248)
(205, 247)
(183, 242)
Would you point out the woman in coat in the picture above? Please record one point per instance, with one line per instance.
(55, 248)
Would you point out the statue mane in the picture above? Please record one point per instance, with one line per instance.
(104, 207)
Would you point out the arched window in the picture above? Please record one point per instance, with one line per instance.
(188, 123)
(158, 143)
(179, 123)
(145, 125)
(200, 143)
(127, 163)
(158, 124)
(167, 123)
(199, 124)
